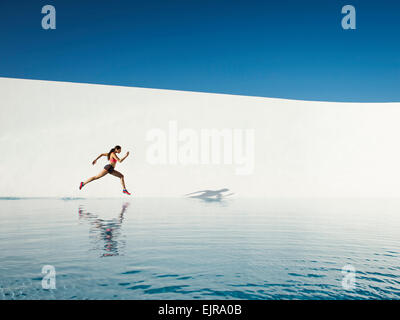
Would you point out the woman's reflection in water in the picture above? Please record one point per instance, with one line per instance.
(105, 232)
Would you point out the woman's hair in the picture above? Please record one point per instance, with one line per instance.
(113, 150)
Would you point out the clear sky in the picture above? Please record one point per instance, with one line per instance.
(283, 48)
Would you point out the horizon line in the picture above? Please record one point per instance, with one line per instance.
(201, 92)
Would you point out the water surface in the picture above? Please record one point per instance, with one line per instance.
(194, 249)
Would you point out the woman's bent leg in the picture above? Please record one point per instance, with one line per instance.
(119, 175)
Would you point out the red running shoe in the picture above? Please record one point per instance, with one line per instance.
(126, 192)
(81, 185)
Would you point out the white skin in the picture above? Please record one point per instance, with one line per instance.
(115, 173)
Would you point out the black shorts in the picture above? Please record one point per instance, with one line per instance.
(109, 168)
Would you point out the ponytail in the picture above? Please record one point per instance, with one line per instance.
(112, 150)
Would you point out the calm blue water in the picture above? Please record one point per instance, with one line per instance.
(192, 249)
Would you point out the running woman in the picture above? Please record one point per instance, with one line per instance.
(109, 168)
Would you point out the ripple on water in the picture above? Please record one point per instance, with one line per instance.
(131, 272)
(166, 289)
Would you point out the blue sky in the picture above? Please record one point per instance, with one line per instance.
(286, 49)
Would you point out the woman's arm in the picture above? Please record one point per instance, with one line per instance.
(101, 155)
(118, 159)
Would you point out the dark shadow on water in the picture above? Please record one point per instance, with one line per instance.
(210, 195)
(106, 233)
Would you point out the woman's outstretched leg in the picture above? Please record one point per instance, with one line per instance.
(101, 174)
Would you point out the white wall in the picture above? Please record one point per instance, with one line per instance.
(51, 131)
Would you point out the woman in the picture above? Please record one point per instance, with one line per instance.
(109, 168)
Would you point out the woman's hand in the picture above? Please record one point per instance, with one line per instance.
(127, 154)
(94, 162)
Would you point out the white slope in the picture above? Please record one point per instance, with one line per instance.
(51, 131)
